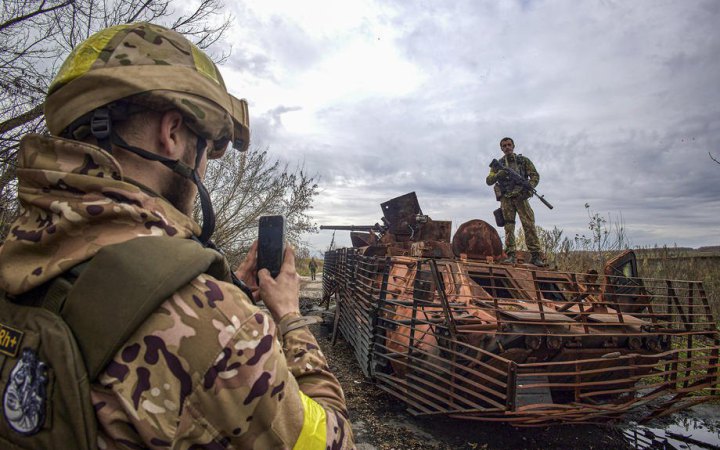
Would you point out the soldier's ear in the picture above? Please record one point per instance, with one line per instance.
(172, 135)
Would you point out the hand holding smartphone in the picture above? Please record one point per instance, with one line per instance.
(271, 243)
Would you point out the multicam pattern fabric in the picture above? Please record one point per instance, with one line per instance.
(152, 66)
(514, 202)
(521, 207)
(74, 201)
(207, 369)
(521, 165)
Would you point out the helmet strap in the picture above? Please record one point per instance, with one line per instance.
(208, 226)
(101, 128)
(185, 171)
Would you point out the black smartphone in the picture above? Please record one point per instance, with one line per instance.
(271, 243)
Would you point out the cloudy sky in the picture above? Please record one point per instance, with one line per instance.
(616, 102)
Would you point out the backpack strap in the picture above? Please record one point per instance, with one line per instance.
(522, 162)
(124, 283)
(52, 296)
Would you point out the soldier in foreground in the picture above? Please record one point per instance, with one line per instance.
(514, 199)
(134, 114)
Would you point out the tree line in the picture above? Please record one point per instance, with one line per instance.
(35, 38)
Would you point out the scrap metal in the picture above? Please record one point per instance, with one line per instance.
(444, 327)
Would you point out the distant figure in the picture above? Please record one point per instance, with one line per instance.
(514, 200)
(313, 268)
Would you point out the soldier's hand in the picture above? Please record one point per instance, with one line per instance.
(502, 174)
(247, 271)
(281, 294)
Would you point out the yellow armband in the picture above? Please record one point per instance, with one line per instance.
(312, 435)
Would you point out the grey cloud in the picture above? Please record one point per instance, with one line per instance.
(267, 126)
(259, 65)
(276, 113)
(615, 102)
(264, 47)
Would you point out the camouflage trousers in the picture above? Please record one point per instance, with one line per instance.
(521, 207)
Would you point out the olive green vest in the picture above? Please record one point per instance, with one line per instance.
(509, 186)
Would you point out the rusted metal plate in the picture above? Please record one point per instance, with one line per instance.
(431, 249)
(477, 239)
(460, 335)
(457, 345)
(614, 318)
(401, 212)
(535, 316)
(362, 239)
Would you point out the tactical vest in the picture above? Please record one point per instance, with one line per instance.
(56, 339)
(508, 185)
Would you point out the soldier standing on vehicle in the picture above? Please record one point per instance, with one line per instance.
(313, 268)
(514, 200)
(134, 114)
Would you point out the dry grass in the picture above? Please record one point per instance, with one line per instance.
(659, 263)
(607, 237)
(683, 264)
(301, 265)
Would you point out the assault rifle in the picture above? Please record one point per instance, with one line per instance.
(497, 167)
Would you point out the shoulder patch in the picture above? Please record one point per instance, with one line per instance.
(10, 340)
(25, 395)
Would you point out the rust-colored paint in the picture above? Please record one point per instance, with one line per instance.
(471, 338)
(477, 239)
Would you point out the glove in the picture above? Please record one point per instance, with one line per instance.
(502, 174)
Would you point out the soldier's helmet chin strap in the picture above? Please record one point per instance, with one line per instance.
(101, 128)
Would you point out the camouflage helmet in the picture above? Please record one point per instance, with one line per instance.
(152, 67)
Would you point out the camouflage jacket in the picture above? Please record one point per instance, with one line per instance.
(207, 369)
(520, 164)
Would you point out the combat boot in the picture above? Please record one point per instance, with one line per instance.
(510, 258)
(537, 261)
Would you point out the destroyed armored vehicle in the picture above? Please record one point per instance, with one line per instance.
(443, 326)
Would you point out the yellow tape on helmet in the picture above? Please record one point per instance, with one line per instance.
(83, 56)
(205, 66)
(313, 434)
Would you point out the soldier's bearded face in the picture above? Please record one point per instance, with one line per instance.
(507, 147)
(180, 191)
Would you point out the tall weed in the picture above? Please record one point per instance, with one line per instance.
(606, 238)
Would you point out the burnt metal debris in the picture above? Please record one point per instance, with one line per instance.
(444, 327)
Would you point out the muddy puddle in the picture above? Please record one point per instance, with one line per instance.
(696, 428)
